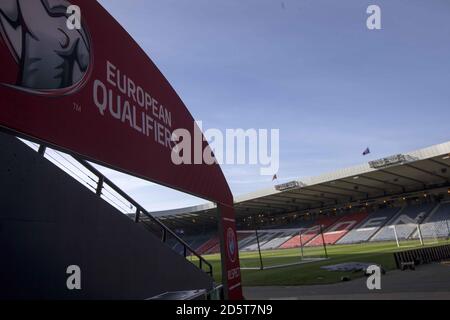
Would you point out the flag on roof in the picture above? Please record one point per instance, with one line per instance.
(275, 177)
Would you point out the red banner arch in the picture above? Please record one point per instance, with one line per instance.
(94, 92)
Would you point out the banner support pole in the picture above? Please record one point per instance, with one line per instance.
(261, 265)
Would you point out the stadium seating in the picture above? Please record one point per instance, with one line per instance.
(405, 222)
(268, 239)
(278, 240)
(205, 247)
(214, 249)
(207, 244)
(369, 226)
(196, 241)
(264, 237)
(437, 224)
(338, 229)
(243, 236)
(193, 241)
(249, 239)
(294, 242)
(309, 233)
(347, 229)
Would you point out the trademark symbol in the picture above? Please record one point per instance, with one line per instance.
(76, 107)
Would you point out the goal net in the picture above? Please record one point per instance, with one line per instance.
(269, 249)
(427, 233)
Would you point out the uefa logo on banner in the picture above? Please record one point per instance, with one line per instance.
(231, 245)
(51, 59)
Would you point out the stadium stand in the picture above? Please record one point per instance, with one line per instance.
(212, 245)
(310, 233)
(249, 239)
(244, 236)
(338, 229)
(279, 240)
(194, 242)
(405, 222)
(359, 227)
(208, 245)
(294, 242)
(368, 227)
(264, 238)
(437, 224)
(213, 250)
(401, 190)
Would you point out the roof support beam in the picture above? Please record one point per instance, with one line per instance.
(303, 195)
(363, 185)
(341, 195)
(306, 199)
(403, 177)
(382, 181)
(440, 163)
(262, 206)
(345, 189)
(427, 172)
(272, 201)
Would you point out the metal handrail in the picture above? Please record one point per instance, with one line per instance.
(139, 209)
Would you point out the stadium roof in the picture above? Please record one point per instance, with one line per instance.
(390, 177)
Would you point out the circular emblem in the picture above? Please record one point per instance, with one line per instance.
(231, 244)
(52, 59)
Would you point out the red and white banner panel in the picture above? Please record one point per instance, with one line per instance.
(91, 90)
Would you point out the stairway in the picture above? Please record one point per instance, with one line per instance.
(49, 221)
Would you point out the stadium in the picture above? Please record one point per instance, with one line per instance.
(367, 212)
(288, 235)
(111, 189)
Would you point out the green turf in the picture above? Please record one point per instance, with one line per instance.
(311, 273)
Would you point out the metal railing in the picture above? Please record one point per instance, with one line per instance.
(102, 182)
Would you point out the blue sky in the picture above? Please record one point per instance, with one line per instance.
(310, 68)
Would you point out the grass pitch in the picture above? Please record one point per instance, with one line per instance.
(311, 273)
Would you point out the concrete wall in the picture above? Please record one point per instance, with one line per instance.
(49, 221)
